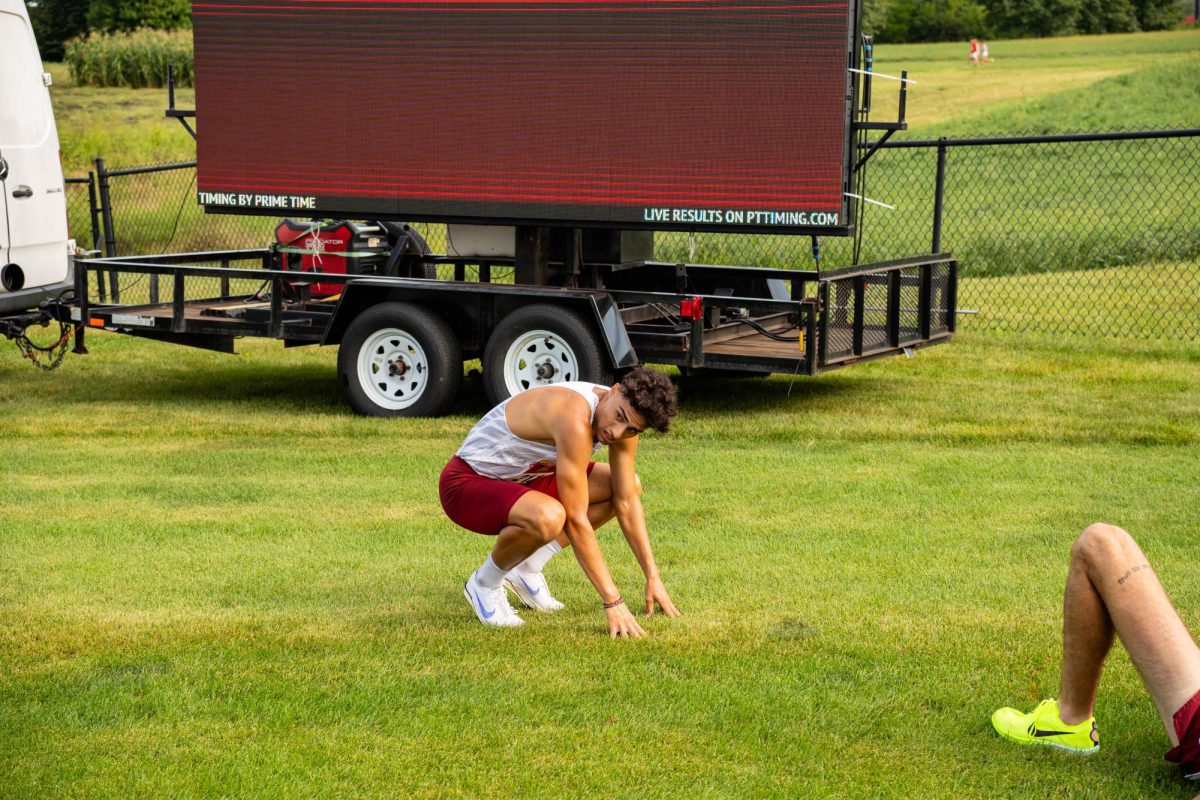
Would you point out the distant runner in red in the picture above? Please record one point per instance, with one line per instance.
(525, 475)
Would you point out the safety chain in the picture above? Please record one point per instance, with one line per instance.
(31, 350)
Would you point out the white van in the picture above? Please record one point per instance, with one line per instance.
(34, 249)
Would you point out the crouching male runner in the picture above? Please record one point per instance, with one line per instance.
(524, 475)
(1111, 587)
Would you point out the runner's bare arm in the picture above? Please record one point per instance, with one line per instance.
(631, 516)
(574, 448)
(573, 440)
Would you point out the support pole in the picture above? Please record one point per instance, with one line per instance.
(939, 194)
(110, 236)
(81, 299)
(106, 217)
(533, 256)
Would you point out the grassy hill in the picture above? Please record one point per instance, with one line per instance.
(1117, 82)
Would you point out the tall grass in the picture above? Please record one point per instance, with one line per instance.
(135, 60)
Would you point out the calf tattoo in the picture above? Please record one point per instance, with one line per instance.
(1130, 572)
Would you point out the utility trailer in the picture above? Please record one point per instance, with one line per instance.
(554, 139)
(403, 340)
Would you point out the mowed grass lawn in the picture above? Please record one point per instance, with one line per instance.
(215, 581)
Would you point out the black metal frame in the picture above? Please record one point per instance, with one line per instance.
(183, 115)
(735, 332)
(852, 284)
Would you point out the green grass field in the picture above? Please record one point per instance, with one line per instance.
(217, 582)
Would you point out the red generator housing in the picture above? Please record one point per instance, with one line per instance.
(339, 247)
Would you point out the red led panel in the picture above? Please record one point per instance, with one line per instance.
(699, 114)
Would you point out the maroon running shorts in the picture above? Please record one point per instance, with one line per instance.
(1187, 728)
(481, 504)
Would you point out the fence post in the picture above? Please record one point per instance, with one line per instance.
(94, 213)
(110, 236)
(94, 209)
(939, 193)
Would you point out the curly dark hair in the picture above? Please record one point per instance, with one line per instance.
(652, 396)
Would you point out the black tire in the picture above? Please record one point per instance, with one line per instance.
(413, 243)
(568, 350)
(427, 350)
(422, 269)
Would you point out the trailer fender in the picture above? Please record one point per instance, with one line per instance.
(482, 306)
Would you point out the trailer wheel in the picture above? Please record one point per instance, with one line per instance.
(539, 345)
(400, 360)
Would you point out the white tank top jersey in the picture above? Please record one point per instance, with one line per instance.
(494, 451)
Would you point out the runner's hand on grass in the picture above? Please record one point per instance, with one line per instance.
(621, 623)
(656, 594)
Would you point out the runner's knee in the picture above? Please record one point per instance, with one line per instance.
(600, 478)
(1101, 543)
(548, 520)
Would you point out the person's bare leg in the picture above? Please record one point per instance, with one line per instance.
(1127, 597)
(537, 518)
(534, 519)
(1087, 638)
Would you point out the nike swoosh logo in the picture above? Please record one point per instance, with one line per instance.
(486, 614)
(1039, 733)
(532, 592)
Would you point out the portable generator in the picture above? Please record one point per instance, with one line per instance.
(340, 247)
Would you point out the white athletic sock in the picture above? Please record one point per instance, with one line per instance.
(489, 575)
(537, 561)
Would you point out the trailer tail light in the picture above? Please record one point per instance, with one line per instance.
(692, 308)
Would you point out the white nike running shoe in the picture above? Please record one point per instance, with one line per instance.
(490, 605)
(531, 589)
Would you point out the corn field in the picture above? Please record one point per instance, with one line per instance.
(136, 60)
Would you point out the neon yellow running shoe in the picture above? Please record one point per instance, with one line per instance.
(1044, 726)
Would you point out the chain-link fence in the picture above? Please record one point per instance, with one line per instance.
(1089, 234)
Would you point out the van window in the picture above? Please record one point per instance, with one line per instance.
(23, 113)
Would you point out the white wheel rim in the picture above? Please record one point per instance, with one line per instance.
(392, 369)
(538, 358)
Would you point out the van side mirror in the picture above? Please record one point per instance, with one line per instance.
(47, 79)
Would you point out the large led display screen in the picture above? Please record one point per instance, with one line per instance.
(666, 114)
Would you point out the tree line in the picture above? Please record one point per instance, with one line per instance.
(56, 21)
(959, 20)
